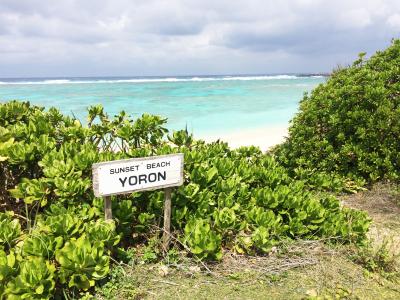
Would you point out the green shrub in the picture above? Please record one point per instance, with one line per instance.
(202, 240)
(35, 280)
(8, 269)
(41, 244)
(10, 230)
(350, 125)
(82, 262)
(240, 200)
(102, 231)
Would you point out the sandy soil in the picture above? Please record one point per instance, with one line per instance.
(264, 138)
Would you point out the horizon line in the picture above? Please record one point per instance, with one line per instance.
(171, 76)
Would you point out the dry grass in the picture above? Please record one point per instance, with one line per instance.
(316, 270)
(382, 202)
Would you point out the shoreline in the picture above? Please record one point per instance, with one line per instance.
(263, 137)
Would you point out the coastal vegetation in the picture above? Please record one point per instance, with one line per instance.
(350, 125)
(54, 241)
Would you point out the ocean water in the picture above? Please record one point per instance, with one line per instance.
(205, 104)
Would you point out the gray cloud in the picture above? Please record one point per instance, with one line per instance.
(160, 37)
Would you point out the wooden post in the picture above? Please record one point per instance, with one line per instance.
(167, 218)
(107, 208)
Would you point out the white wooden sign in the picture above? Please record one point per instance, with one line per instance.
(137, 174)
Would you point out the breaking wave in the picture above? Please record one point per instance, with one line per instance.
(150, 80)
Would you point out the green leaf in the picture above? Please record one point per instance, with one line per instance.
(211, 174)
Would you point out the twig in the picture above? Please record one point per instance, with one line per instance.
(166, 282)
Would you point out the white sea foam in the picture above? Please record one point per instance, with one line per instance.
(155, 80)
(56, 81)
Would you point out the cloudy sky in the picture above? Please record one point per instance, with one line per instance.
(187, 37)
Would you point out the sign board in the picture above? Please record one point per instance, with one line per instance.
(137, 174)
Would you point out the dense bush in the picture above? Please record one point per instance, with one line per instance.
(54, 240)
(350, 125)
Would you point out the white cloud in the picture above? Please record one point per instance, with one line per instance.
(394, 21)
(355, 18)
(123, 37)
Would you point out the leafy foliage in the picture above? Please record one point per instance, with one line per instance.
(82, 262)
(35, 280)
(7, 269)
(42, 245)
(10, 230)
(202, 241)
(350, 125)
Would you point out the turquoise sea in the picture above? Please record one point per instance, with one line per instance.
(205, 104)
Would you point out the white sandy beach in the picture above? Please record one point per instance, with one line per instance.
(264, 138)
